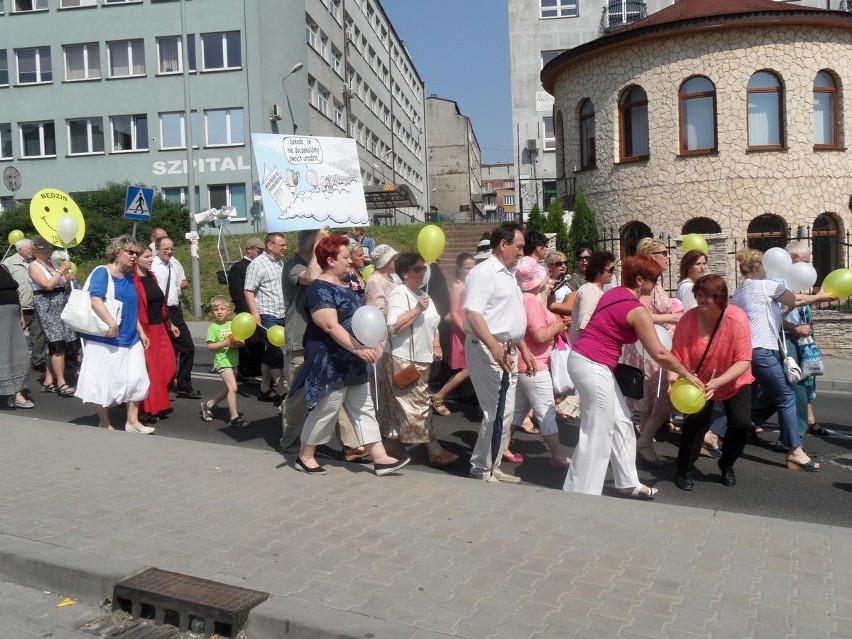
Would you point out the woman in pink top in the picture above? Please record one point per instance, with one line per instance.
(456, 361)
(714, 340)
(606, 430)
(535, 388)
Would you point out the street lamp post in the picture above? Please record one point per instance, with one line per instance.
(190, 170)
(296, 67)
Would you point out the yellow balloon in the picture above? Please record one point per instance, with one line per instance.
(73, 268)
(275, 335)
(15, 236)
(686, 397)
(695, 242)
(47, 207)
(368, 271)
(838, 283)
(430, 243)
(243, 326)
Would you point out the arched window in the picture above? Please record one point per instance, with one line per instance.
(630, 236)
(765, 111)
(766, 231)
(633, 124)
(826, 120)
(587, 135)
(702, 226)
(697, 111)
(825, 249)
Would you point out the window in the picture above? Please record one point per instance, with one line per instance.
(221, 51)
(126, 58)
(630, 236)
(549, 134)
(334, 9)
(826, 121)
(827, 250)
(765, 99)
(702, 226)
(177, 195)
(322, 100)
(509, 200)
(311, 33)
(588, 158)
(336, 58)
(229, 195)
(547, 56)
(38, 140)
(82, 62)
(558, 8)
(337, 113)
(633, 121)
(4, 68)
(170, 54)
(120, 1)
(765, 232)
(86, 136)
(5, 141)
(6, 202)
(129, 133)
(34, 66)
(172, 130)
(24, 6)
(697, 104)
(224, 127)
(67, 4)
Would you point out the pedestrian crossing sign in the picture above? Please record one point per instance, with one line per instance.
(138, 203)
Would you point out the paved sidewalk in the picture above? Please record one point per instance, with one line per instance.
(417, 555)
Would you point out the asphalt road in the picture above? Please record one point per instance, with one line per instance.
(765, 486)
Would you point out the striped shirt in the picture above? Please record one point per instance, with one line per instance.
(264, 278)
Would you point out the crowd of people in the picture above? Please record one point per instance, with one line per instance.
(509, 309)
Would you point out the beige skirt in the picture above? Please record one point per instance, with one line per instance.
(404, 413)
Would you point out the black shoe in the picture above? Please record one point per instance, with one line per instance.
(727, 478)
(684, 483)
(384, 469)
(269, 396)
(319, 470)
(188, 393)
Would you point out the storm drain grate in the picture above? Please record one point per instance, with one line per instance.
(189, 603)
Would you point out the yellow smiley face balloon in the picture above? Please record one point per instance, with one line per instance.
(47, 208)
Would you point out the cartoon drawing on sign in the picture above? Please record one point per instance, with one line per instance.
(308, 182)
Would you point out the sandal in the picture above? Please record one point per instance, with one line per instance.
(48, 388)
(528, 427)
(439, 407)
(238, 422)
(638, 493)
(650, 456)
(442, 459)
(672, 427)
(206, 412)
(65, 391)
(820, 431)
(513, 458)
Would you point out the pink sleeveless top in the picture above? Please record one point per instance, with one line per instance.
(608, 329)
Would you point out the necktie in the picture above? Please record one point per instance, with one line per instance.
(168, 282)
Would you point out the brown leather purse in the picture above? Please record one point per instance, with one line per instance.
(408, 375)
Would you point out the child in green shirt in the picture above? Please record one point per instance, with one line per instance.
(225, 359)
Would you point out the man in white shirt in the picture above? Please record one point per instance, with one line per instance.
(495, 322)
(172, 280)
(18, 265)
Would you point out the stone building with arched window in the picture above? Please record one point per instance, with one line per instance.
(727, 118)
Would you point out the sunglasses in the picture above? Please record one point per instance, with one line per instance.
(562, 263)
(665, 253)
(610, 270)
(131, 252)
(584, 258)
(418, 269)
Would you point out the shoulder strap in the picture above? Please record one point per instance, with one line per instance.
(712, 335)
(600, 308)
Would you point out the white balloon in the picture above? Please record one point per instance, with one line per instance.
(665, 339)
(369, 326)
(801, 276)
(777, 261)
(66, 229)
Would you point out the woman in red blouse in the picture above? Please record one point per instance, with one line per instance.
(723, 362)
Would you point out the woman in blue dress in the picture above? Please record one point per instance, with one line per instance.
(334, 374)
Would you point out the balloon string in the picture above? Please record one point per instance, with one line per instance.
(7, 251)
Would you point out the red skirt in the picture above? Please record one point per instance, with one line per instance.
(160, 360)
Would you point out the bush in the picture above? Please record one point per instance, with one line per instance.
(584, 228)
(556, 224)
(536, 221)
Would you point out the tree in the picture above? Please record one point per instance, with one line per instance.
(536, 221)
(584, 227)
(556, 224)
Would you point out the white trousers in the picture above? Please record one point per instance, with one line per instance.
(486, 374)
(606, 431)
(536, 392)
(358, 406)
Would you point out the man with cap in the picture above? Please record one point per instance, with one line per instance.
(252, 354)
(483, 250)
(299, 272)
(368, 243)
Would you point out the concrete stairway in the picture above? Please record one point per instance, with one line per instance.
(460, 238)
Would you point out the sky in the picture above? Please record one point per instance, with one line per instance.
(461, 51)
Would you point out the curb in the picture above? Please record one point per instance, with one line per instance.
(834, 385)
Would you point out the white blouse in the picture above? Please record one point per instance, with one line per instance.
(401, 300)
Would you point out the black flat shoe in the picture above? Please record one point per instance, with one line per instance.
(684, 483)
(319, 470)
(727, 478)
(384, 469)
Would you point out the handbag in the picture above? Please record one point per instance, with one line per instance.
(562, 382)
(631, 380)
(810, 357)
(78, 314)
(792, 371)
(408, 375)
